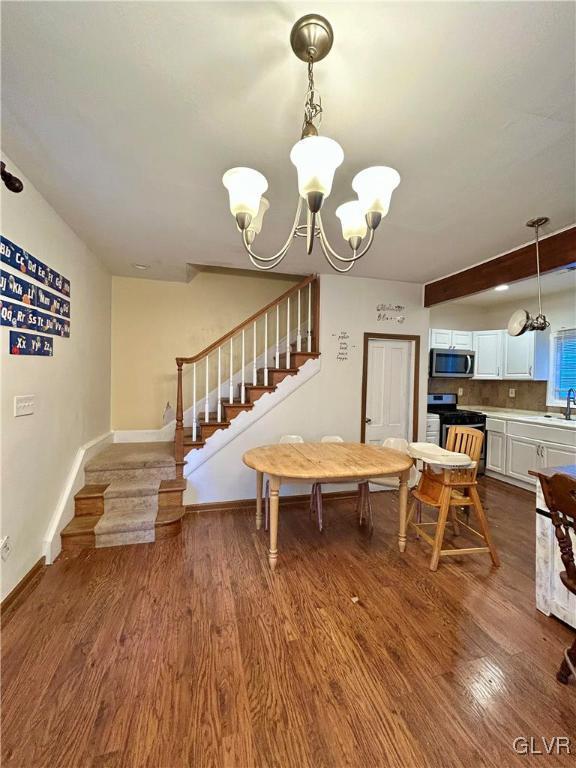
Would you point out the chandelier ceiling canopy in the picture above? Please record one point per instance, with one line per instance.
(316, 159)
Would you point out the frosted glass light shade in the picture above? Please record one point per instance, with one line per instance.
(245, 187)
(374, 187)
(256, 223)
(316, 159)
(352, 219)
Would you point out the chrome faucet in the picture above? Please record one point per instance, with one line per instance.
(570, 399)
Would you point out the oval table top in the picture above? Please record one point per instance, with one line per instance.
(315, 461)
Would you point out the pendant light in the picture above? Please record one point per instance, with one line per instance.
(521, 320)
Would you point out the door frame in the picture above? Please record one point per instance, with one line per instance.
(392, 337)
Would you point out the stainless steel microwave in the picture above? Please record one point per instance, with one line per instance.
(452, 363)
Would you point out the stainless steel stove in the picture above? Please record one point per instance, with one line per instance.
(446, 406)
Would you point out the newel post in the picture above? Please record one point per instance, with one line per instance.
(179, 435)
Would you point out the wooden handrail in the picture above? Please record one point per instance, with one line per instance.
(195, 358)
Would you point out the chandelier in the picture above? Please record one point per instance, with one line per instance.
(316, 159)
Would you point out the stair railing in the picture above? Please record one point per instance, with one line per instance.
(291, 318)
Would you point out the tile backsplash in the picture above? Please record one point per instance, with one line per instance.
(530, 395)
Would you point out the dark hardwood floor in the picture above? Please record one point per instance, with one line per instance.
(189, 652)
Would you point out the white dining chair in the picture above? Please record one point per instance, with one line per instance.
(285, 439)
(396, 444)
(316, 493)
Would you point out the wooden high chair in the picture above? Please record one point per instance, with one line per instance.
(449, 488)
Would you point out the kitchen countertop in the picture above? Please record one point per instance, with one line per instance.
(529, 417)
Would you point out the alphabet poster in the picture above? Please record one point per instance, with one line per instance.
(28, 305)
(30, 344)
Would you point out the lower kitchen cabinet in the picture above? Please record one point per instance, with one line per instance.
(514, 448)
(496, 452)
(522, 454)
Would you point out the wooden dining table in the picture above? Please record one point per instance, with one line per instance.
(323, 463)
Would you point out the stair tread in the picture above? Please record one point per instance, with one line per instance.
(172, 485)
(80, 525)
(131, 488)
(169, 515)
(133, 456)
(260, 386)
(92, 491)
(223, 423)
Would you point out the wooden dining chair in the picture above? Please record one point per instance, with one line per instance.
(448, 489)
(316, 507)
(560, 497)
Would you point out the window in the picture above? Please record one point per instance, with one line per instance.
(562, 365)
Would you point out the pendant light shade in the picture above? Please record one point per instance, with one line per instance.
(374, 187)
(316, 159)
(245, 187)
(352, 219)
(256, 223)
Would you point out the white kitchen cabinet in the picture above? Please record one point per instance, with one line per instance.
(496, 452)
(444, 339)
(526, 356)
(557, 455)
(488, 348)
(522, 454)
(462, 340)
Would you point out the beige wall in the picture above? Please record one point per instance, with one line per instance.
(154, 321)
(71, 389)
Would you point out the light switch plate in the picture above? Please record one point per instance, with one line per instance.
(511, 392)
(460, 391)
(24, 405)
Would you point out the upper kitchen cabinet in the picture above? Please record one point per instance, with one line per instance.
(488, 346)
(526, 356)
(444, 339)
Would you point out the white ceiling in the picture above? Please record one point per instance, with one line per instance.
(125, 116)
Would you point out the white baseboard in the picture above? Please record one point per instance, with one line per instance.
(511, 480)
(64, 511)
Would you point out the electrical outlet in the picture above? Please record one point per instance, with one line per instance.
(460, 391)
(5, 547)
(511, 392)
(24, 405)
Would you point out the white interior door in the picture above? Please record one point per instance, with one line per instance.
(390, 390)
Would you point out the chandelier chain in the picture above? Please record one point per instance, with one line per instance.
(313, 104)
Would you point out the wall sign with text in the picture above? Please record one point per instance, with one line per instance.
(29, 265)
(394, 313)
(30, 344)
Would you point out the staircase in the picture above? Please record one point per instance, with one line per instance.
(131, 496)
(134, 491)
(248, 362)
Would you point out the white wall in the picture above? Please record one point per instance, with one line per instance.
(330, 402)
(559, 308)
(72, 388)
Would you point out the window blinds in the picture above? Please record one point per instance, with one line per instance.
(563, 363)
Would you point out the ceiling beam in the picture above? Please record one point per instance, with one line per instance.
(556, 251)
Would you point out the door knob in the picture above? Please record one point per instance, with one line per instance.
(367, 420)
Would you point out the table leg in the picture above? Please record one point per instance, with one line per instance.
(403, 509)
(273, 552)
(259, 483)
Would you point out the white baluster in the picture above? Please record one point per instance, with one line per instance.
(219, 409)
(194, 403)
(298, 334)
(288, 332)
(266, 349)
(277, 335)
(242, 388)
(254, 371)
(231, 398)
(309, 317)
(206, 393)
